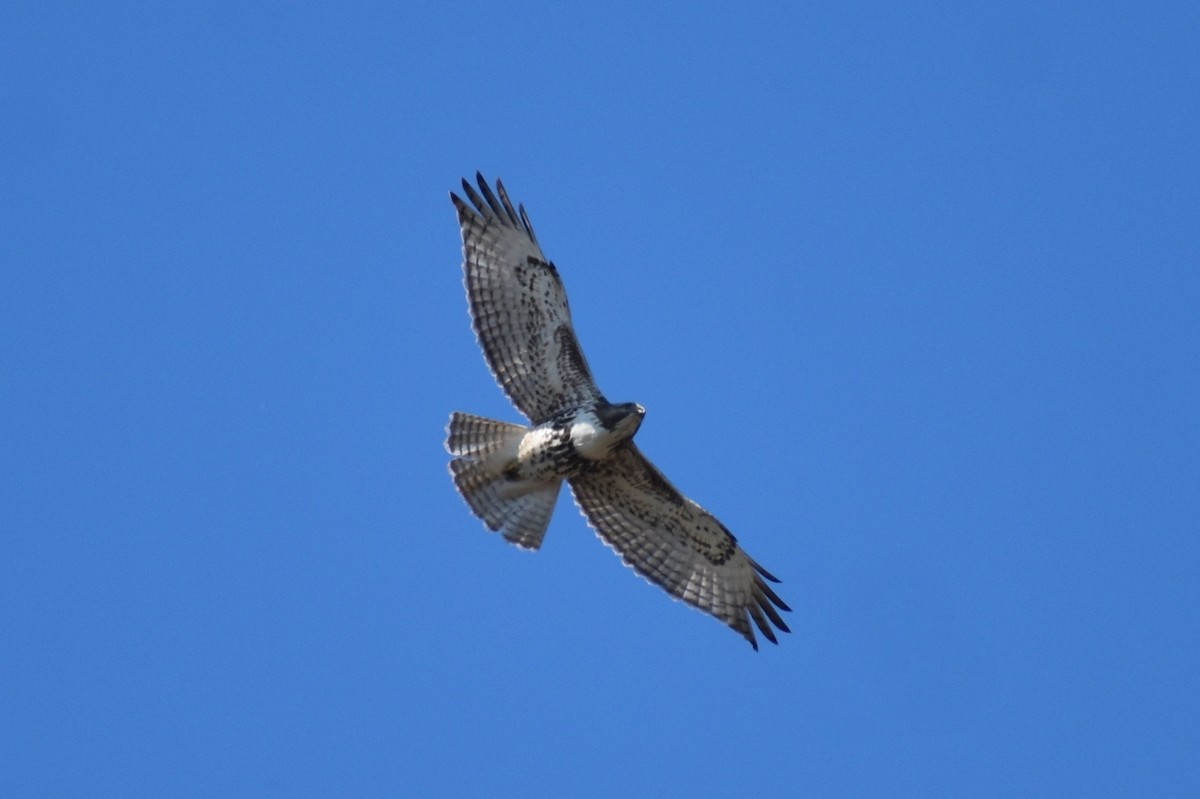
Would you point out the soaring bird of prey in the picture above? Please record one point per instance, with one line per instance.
(510, 474)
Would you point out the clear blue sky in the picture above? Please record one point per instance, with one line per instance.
(911, 294)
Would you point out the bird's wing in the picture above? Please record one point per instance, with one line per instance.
(519, 307)
(675, 543)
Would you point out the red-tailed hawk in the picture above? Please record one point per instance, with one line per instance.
(510, 475)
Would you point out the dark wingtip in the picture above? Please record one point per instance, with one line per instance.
(771, 595)
(461, 208)
(761, 622)
(772, 614)
(485, 189)
(489, 196)
(766, 573)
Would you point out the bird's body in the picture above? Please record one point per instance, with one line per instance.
(561, 447)
(510, 475)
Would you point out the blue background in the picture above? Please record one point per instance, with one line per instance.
(911, 294)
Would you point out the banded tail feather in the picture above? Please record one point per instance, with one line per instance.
(483, 449)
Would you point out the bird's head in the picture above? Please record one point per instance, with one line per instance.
(622, 419)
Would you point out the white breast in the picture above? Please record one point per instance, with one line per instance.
(589, 438)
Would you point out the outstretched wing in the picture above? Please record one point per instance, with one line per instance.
(674, 542)
(519, 307)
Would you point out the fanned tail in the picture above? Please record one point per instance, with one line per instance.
(475, 436)
(484, 447)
